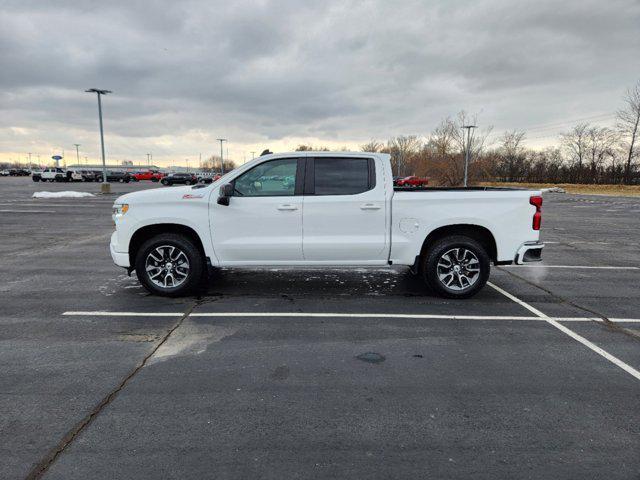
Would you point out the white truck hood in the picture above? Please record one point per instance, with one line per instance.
(163, 195)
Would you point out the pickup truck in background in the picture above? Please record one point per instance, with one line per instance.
(352, 217)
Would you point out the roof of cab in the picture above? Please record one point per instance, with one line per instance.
(311, 153)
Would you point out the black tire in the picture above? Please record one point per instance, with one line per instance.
(443, 247)
(188, 182)
(164, 182)
(196, 265)
(35, 179)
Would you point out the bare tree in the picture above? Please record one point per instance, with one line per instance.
(371, 146)
(628, 122)
(402, 148)
(445, 148)
(575, 142)
(443, 139)
(212, 164)
(512, 156)
(601, 143)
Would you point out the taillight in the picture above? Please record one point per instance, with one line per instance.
(536, 201)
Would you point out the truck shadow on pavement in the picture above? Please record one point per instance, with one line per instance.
(278, 281)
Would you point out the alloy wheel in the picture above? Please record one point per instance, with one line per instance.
(167, 266)
(458, 269)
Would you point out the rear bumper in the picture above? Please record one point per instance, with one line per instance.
(529, 252)
(119, 258)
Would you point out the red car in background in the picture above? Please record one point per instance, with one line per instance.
(413, 181)
(153, 175)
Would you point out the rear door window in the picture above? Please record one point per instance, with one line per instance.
(342, 176)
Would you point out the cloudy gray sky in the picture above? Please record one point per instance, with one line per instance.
(278, 73)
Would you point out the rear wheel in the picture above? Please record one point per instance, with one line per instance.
(456, 266)
(169, 265)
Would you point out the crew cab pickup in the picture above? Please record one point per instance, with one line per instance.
(311, 209)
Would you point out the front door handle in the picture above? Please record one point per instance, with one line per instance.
(369, 206)
(287, 206)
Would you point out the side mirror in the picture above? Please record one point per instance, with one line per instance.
(226, 191)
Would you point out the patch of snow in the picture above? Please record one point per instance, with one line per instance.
(65, 194)
(554, 190)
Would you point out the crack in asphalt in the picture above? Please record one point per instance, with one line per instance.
(610, 324)
(43, 465)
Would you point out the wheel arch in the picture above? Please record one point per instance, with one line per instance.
(144, 233)
(479, 233)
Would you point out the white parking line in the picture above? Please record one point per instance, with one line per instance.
(27, 211)
(605, 267)
(552, 321)
(42, 204)
(103, 313)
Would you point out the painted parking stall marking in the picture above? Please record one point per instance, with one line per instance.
(554, 322)
(102, 313)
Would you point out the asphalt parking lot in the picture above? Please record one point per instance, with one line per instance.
(263, 375)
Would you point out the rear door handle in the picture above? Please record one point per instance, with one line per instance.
(287, 206)
(369, 206)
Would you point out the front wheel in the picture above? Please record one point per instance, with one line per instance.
(169, 265)
(456, 266)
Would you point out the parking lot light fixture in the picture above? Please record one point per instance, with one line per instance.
(106, 187)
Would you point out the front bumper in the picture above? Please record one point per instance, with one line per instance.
(529, 252)
(119, 258)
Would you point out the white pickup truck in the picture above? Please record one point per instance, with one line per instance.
(313, 209)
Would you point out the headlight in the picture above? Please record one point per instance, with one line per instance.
(120, 209)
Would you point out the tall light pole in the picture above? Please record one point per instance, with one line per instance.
(148, 160)
(106, 187)
(467, 151)
(77, 153)
(221, 157)
(253, 155)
